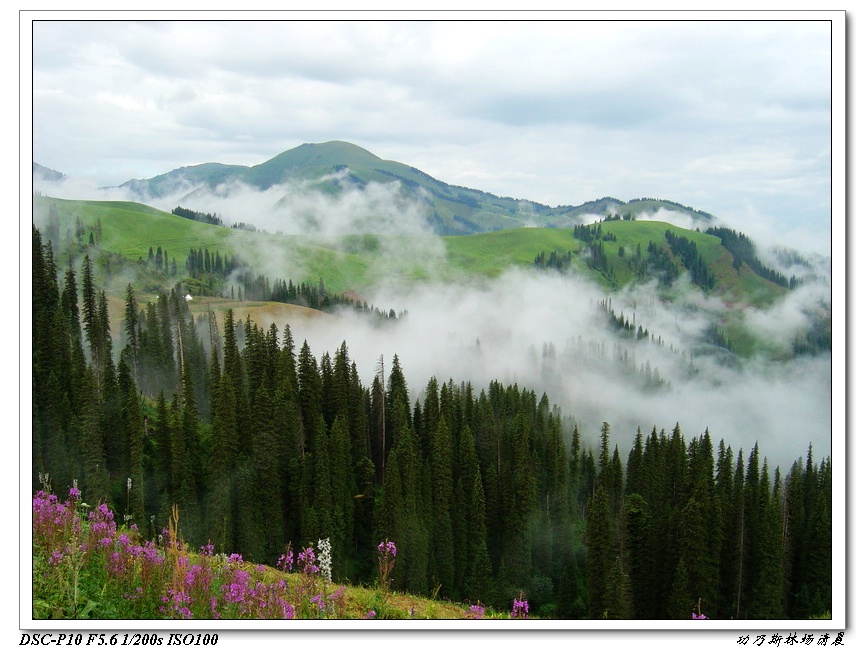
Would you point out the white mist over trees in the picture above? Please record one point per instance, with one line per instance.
(546, 331)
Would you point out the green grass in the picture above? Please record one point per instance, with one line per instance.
(491, 253)
(356, 262)
(133, 229)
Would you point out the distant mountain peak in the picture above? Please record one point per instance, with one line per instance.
(47, 174)
(336, 165)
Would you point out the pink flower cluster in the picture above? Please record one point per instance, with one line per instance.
(387, 547)
(520, 608)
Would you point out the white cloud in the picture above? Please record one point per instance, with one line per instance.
(557, 112)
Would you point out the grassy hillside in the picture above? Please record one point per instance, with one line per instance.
(490, 253)
(732, 284)
(353, 263)
(133, 229)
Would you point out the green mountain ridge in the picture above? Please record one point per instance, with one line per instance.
(334, 166)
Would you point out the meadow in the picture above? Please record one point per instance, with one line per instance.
(88, 565)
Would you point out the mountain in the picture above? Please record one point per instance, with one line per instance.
(333, 167)
(47, 174)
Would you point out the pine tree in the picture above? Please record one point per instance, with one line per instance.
(819, 576)
(755, 502)
(309, 392)
(633, 470)
(95, 480)
(265, 464)
(342, 493)
(91, 324)
(441, 465)
(601, 553)
(398, 410)
(518, 498)
(618, 593)
(221, 467)
(638, 553)
(400, 513)
(133, 426)
(58, 367)
(472, 568)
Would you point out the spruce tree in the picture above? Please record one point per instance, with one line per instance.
(133, 426)
(89, 307)
(400, 513)
(309, 392)
(819, 576)
(221, 466)
(600, 554)
(343, 491)
(638, 554)
(95, 480)
(441, 465)
(265, 465)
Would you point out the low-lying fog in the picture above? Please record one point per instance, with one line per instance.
(546, 332)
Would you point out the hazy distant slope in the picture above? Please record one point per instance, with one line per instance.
(45, 173)
(184, 179)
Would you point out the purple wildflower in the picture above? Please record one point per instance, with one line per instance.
(287, 609)
(520, 608)
(386, 561)
(317, 600)
(387, 547)
(286, 561)
(306, 561)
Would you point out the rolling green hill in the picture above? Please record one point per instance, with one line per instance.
(354, 262)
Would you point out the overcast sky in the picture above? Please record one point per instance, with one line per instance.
(730, 117)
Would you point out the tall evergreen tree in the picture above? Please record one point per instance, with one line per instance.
(133, 426)
(601, 553)
(441, 465)
(309, 393)
(638, 554)
(95, 486)
(265, 465)
(342, 490)
(400, 512)
(221, 466)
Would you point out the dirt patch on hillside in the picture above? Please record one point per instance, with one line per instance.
(262, 314)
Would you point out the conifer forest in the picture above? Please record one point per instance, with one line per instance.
(487, 490)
